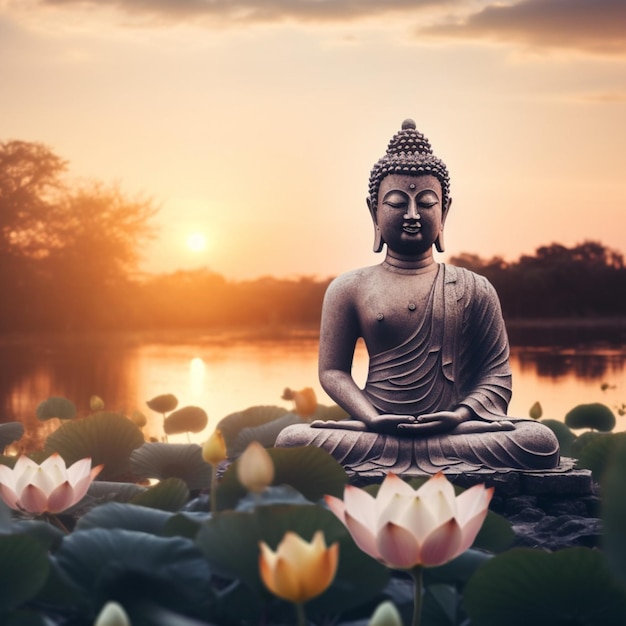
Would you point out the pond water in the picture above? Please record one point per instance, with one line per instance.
(225, 374)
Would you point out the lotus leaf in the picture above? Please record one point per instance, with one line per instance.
(265, 434)
(230, 543)
(525, 586)
(102, 491)
(168, 495)
(189, 419)
(595, 415)
(614, 511)
(597, 454)
(312, 471)
(130, 566)
(563, 433)
(126, 516)
(163, 403)
(9, 433)
(24, 568)
(56, 407)
(107, 438)
(172, 460)
(248, 418)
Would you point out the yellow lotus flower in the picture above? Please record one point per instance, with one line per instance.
(404, 527)
(255, 468)
(214, 448)
(47, 488)
(298, 571)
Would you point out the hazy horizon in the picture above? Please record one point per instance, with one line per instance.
(255, 124)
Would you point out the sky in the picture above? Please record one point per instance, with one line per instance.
(255, 123)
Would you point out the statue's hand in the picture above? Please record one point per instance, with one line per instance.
(339, 424)
(390, 423)
(432, 423)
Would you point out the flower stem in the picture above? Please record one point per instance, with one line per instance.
(55, 521)
(213, 488)
(417, 574)
(300, 616)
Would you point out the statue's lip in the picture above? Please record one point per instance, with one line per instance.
(411, 228)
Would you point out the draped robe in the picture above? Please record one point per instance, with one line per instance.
(457, 355)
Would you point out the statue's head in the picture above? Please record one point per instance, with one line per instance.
(409, 154)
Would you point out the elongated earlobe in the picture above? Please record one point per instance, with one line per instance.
(439, 242)
(378, 239)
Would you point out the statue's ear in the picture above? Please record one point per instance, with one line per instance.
(439, 241)
(378, 238)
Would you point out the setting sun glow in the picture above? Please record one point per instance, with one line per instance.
(197, 242)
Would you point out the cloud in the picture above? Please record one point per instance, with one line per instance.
(606, 97)
(597, 26)
(260, 11)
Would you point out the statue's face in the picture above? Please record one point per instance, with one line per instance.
(409, 212)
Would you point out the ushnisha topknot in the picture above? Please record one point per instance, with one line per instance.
(410, 153)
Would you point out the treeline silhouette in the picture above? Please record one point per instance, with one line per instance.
(69, 254)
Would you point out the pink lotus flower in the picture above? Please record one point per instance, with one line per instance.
(47, 488)
(404, 527)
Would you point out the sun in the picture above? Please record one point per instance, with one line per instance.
(197, 242)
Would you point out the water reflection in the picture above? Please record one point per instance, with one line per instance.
(223, 377)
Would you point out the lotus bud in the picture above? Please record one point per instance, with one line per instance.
(386, 615)
(305, 400)
(96, 403)
(112, 614)
(214, 448)
(536, 410)
(138, 418)
(255, 468)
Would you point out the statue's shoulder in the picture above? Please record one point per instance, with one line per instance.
(467, 283)
(353, 279)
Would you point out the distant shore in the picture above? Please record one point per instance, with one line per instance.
(540, 331)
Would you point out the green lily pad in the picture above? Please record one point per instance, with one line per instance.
(595, 415)
(230, 542)
(107, 438)
(168, 495)
(597, 454)
(10, 432)
(24, 568)
(525, 586)
(189, 419)
(171, 460)
(102, 491)
(127, 516)
(265, 434)
(128, 566)
(614, 511)
(563, 433)
(56, 407)
(312, 471)
(164, 403)
(248, 418)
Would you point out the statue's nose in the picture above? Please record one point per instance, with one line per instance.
(411, 212)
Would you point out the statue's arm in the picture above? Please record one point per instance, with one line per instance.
(486, 355)
(339, 332)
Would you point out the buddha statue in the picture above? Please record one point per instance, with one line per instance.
(439, 380)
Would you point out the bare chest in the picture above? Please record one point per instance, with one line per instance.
(391, 307)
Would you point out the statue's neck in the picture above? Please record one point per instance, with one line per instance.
(404, 264)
